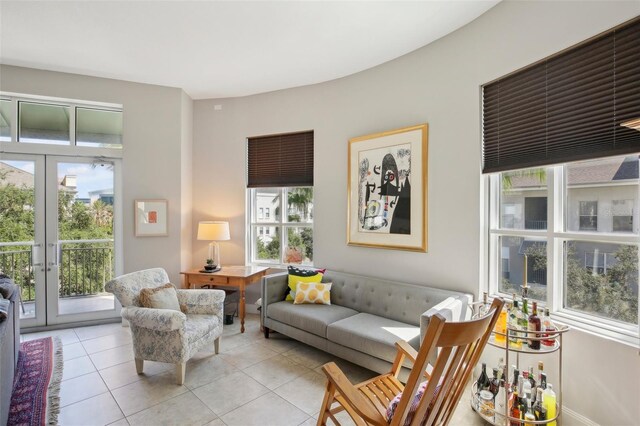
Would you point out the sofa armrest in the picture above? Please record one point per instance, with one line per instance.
(203, 302)
(452, 309)
(154, 319)
(274, 288)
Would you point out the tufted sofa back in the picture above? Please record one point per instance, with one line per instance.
(390, 299)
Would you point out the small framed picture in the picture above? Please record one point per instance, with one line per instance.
(151, 218)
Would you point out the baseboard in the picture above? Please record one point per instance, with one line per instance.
(576, 418)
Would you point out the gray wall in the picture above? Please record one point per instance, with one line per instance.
(438, 84)
(153, 143)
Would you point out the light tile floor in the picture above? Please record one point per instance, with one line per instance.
(253, 381)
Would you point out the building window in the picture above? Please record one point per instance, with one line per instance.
(588, 216)
(622, 215)
(261, 213)
(595, 279)
(277, 238)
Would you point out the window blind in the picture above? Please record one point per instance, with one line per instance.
(280, 160)
(578, 104)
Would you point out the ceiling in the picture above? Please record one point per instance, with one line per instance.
(215, 49)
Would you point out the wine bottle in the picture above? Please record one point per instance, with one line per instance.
(548, 327)
(526, 386)
(494, 383)
(532, 380)
(483, 380)
(523, 321)
(534, 326)
(515, 409)
(500, 399)
(538, 409)
(514, 335)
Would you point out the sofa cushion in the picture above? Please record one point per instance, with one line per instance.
(318, 293)
(311, 318)
(373, 335)
(299, 275)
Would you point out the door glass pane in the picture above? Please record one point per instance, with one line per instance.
(85, 227)
(523, 259)
(602, 195)
(95, 127)
(17, 229)
(267, 243)
(523, 199)
(5, 120)
(602, 279)
(300, 204)
(43, 123)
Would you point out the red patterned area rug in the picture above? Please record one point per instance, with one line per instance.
(36, 385)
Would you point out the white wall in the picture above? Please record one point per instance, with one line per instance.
(438, 84)
(186, 180)
(153, 142)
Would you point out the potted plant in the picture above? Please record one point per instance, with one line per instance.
(209, 266)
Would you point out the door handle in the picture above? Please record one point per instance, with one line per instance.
(35, 256)
(55, 254)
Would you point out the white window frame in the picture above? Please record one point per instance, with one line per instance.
(556, 236)
(254, 222)
(14, 146)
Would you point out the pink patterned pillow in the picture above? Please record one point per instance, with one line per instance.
(391, 409)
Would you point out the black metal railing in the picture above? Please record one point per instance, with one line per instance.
(84, 267)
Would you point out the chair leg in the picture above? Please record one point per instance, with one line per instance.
(325, 409)
(139, 365)
(216, 345)
(181, 368)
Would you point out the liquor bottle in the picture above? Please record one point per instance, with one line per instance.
(534, 326)
(514, 381)
(540, 371)
(515, 409)
(514, 335)
(529, 417)
(543, 381)
(523, 321)
(549, 402)
(494, 383)
(500, 329)
(500, 399)
(533, 384)
(501, 369)
(483, 380)
(538, 409)
(526, 386)
(548, 326)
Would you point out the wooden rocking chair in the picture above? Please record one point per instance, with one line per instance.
(459, 345)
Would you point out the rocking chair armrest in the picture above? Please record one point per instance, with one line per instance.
(351, 394)
(407, 350)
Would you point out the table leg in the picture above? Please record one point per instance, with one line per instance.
(242, 300)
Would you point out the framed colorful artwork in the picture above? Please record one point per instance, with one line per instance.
(387, 187)
(151, 218)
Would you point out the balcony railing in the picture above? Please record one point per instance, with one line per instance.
(85, 267)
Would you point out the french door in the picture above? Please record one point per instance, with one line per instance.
(59, 235)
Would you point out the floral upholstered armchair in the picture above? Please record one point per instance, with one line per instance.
(166, 335)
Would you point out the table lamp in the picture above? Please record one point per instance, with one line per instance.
(213, 231)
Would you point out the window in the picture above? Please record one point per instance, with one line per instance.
(588, 216)
(60, 122)
(595, 270)
(282, 239)
(280, 199)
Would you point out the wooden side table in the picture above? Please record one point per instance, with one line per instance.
(229, 276)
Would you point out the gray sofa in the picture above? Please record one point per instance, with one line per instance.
(9, 347)
(366, 316)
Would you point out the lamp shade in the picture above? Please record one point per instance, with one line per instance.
(213, 231)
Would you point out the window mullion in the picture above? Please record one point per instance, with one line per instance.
(14, 120)
(73, 110)
(283, 242)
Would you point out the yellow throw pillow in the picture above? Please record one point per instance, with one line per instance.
(316, 293)
(297, 275)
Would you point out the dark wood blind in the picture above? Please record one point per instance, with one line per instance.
(280, 160)
(570, 106)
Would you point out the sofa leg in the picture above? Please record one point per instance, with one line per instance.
(181, 368)
(139, 365)
(216, 345)
(266, 332)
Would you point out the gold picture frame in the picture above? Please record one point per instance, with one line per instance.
(387, 205)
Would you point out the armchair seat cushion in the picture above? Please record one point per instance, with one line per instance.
(311, 318)
(198, 326)
(373, 334)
